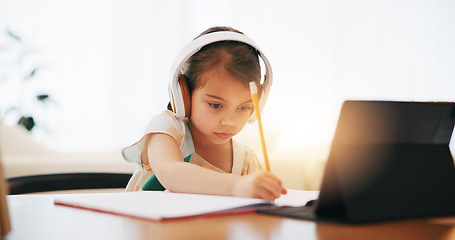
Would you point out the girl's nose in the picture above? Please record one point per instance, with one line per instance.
(228, 119)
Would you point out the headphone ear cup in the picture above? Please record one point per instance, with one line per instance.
(185, 94)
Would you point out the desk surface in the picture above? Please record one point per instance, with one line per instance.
(36, 217)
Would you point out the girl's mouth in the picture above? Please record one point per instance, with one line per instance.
(224, 136)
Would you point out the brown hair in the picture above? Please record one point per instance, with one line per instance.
(238, 59)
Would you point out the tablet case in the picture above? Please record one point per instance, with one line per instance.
(388, 160)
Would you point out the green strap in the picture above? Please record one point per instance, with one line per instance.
(152, 183)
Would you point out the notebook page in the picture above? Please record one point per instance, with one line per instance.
(156, 205)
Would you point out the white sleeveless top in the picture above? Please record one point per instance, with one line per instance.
(244, 159)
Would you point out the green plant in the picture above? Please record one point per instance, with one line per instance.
(25, 75)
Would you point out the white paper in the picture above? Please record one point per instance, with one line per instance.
(296, 198)
(157, 205)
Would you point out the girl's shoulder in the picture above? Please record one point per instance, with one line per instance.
(167, 122)
(165, 118)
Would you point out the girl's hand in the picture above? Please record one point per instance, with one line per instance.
(260, 184)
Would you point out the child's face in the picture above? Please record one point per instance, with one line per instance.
(220, 108)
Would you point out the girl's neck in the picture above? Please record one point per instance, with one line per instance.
(219, 155)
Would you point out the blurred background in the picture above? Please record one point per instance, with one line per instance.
(92, 73)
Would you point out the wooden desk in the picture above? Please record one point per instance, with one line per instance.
(35, 217)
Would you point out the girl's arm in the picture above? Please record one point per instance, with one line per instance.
(163, 153)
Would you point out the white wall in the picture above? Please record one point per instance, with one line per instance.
(106, 63)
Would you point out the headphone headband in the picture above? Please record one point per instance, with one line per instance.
(196, 45)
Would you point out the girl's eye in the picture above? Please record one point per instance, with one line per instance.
(245, 108)
(215, 105)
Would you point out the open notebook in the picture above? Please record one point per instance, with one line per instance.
(159, 205)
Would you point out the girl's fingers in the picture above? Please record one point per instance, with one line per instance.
(270, 186)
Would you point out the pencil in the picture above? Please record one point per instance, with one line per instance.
(254, 96)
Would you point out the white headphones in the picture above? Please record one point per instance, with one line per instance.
(178, 92)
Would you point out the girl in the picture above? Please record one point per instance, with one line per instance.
(219, 105)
